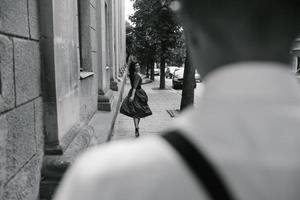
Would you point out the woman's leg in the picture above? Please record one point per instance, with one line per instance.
(136, 124)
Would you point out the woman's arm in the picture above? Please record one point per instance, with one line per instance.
(136, 83)
(132, 95)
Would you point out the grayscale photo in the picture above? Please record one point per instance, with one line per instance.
(149, 100)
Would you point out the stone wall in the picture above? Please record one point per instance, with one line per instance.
(21, 110)
(60, 57)
(57, 60)
(111, 38)
(88, 52)
(66, 47)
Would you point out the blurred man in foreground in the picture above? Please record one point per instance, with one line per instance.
(246, 126)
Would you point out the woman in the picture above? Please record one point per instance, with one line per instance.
(131, 72)
(135, 105)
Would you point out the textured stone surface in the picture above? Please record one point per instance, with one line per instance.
(80, 143)
(85, 35)
(33, 19)
(88, 87)
(88, 98)
(7, 94)
(93, 40)
(27, 70)
(93, 15)
(66, 64)
(21, 139)
(25, 185)
(54, 167)
(13, 17)
(93, 3)
(39, 133)
(3, 135)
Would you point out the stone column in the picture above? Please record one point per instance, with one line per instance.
(117, 49)
(122, 35)
(59, 46)
(105, 95)
(113, 42)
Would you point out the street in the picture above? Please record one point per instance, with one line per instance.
(159, 101)
(198, 90)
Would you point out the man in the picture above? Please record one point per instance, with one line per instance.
(247, 123)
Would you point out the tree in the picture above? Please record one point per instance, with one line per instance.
(178, 54)
(129, 40)
(156, 31)
(187, 98)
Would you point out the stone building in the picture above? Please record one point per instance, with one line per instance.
(296, 55)
(59, 62)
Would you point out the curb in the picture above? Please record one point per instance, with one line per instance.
(116, 111)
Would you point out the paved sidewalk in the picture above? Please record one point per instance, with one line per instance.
(159, 101)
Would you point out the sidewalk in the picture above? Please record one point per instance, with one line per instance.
(159, 101)
(103, 122)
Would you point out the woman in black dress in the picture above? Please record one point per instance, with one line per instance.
(131, 70)
(135, 105)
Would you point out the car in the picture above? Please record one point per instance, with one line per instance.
(170, 71)
(177, 81)
(197, 77)
(156, 71)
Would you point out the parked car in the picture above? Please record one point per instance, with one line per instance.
(156, 71)
(177, 81)
(197, 77)
(170, 71)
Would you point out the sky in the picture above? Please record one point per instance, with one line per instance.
(128, 9)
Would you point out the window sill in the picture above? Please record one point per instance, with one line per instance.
(84, 75)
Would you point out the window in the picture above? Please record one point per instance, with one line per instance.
(87, 50)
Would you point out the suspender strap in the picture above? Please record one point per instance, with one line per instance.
(205, 172)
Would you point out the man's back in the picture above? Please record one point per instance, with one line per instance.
(247, 124)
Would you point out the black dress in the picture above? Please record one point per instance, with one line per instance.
(139, 107)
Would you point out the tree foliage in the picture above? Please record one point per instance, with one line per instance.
(129, 39)
(157, 33)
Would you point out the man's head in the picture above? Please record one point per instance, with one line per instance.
(226, 31)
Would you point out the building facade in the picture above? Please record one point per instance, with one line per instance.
(296, 55)
(59, 63)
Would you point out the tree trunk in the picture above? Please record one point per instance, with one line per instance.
(152, 70)
(147, 69)
(187, 98)
(162, 72)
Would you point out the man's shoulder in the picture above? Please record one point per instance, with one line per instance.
(146, 168)
(122, 157)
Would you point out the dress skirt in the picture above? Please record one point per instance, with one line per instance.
(139, 107)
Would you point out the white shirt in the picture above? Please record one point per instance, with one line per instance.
(247, 123)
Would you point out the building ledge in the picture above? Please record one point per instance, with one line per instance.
(84, 75)
(55, 166)
(82, 137)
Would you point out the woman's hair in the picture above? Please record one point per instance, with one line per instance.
(132, 69)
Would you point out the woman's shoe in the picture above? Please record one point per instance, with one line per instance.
(137, 133)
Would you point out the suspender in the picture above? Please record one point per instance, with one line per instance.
(206, 173)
